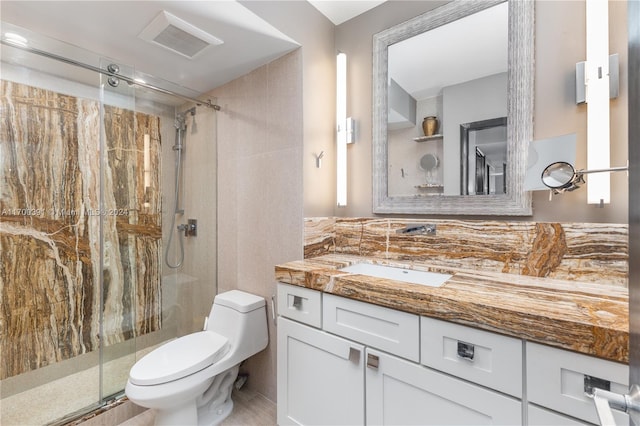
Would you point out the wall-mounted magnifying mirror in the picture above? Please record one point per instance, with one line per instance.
(562, 176)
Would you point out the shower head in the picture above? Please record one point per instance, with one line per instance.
(180, 123)
(191, 111)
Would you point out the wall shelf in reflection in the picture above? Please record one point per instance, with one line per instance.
(427, 138)
(429, 186)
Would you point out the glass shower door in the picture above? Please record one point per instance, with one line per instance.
(49, 253)
(78, 247)
(81, 254)
(127, 262)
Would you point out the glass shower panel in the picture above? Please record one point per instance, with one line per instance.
(49, 262)
(127, 265)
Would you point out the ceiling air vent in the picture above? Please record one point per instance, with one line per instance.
(179, 36)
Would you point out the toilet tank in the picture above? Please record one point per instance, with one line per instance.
(242, 318)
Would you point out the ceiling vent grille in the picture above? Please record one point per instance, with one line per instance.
(181, 37)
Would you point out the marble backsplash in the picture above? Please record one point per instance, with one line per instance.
(585, 252)
(68, 258)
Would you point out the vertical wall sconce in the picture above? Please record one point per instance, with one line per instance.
(341, 131)
(147, 169)
(345, 131)
(594, 86)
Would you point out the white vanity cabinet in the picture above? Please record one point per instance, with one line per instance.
(363, 367)
(346, 362)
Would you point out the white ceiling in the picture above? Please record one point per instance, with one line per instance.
(339, 11)
(111, 29)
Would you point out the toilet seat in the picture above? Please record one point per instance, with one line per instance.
(179, 358)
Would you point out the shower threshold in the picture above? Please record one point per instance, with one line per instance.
(60, 400)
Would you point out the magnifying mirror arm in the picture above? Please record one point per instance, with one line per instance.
(612, 169)
(579, 174)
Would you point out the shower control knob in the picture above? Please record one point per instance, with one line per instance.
(192, 228)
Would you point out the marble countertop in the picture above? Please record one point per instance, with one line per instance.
(589, 318)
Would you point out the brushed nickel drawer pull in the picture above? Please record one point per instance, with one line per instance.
(592, 383)
(466, 350)
(297, 302)
(373, 361)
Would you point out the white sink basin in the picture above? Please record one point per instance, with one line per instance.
(431, 279)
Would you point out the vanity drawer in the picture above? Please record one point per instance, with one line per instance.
(376, 326)
(538, 416)
(300, 304)
(557, 379)
(482, 357)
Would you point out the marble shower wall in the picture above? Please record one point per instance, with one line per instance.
(569, 251)
(51, 264)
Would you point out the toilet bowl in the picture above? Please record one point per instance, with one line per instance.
(188, 381)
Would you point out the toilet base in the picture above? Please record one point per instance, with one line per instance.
(215, 417)
(209, 409)
(185, 415)
(216, 404)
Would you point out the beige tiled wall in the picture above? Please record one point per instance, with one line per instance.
(260, 189)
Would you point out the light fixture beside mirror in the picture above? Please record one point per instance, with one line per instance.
(494, 97)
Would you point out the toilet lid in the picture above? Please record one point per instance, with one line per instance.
(179, 358)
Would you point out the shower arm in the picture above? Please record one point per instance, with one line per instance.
(112, 71)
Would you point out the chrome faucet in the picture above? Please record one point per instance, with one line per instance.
(418, 229)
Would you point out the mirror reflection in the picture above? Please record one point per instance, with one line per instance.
(447, 100)
(483, 151)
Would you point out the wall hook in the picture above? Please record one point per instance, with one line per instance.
(319, 159)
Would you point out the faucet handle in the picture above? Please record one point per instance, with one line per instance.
(422, 228)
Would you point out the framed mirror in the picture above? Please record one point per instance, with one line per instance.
(453, 110)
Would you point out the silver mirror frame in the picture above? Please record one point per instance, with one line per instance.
(517, 201)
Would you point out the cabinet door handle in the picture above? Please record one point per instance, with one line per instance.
(273, 308)
(354, 354)
(466, 350)
(373, 361)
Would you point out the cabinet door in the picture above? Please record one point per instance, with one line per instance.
(402, 393)
(320, 377)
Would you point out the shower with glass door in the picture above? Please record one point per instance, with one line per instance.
(90, 277)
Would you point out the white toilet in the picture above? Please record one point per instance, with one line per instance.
(188, 381)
